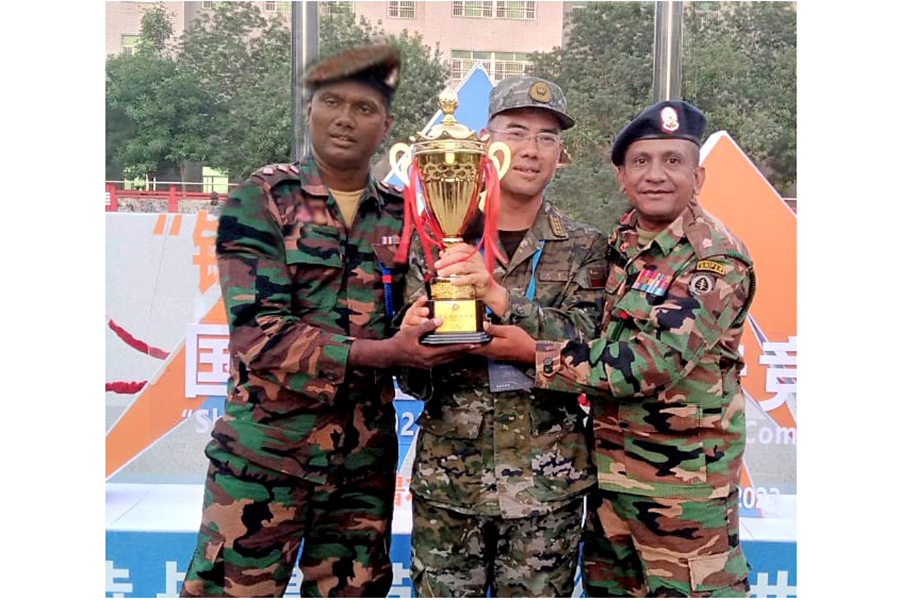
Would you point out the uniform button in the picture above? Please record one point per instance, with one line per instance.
(548, 365)
(520, 310)
(330, 377)
(322, 396)
(623, 424)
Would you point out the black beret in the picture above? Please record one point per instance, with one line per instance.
(377, 65)
(664, 120)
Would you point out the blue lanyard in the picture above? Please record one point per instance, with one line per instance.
(529, 291)
(535, 258)
(387, 280)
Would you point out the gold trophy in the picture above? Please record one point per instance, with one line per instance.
(452, 166)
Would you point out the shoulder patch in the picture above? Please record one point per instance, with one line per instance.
(711, 265)
(701, 284)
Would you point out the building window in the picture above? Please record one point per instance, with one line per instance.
(499, 65)
(335, 7)
(403, 10)
(490, 9)
(208, 5)
(515, 10)
(129, 42)
(280, 7)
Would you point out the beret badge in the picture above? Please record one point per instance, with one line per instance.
(669, 119)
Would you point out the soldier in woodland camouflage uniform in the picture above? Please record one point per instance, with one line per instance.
(306, 450)
(499, 476)
(668, 408)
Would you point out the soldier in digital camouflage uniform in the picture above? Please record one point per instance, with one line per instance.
(306, 450)
(499, 477)
(668, 408)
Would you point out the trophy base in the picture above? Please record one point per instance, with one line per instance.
(463, 322)
(441, 339)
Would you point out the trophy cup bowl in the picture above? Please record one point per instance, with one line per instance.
(450, 163)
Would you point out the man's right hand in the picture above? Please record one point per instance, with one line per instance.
(405, 350)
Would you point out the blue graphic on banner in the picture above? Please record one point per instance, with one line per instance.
(149, 564)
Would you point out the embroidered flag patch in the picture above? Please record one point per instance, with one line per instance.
(652, 282)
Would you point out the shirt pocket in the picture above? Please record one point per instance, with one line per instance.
(449, 463)
(315, 259)
(663, 442)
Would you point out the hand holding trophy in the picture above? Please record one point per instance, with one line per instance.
(450, 166)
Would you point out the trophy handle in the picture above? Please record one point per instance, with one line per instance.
(400, 166)
(499, 148)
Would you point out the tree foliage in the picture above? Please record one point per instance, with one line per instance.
(224, 96)
(155, 111)
(739, 66)
(243, 61)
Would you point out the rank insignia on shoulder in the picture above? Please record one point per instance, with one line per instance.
(711, 265)
(652, 282)
(557, 226)
(700, 284)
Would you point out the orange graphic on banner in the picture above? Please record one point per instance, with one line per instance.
(205, 257)
(160, 405)
(739, 195)
(157, 409)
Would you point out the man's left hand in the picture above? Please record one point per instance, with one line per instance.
(509, 343)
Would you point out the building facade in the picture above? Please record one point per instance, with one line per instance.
(499, 34)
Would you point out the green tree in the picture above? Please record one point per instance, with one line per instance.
(155, 112)
(156, 30)
(242, 60)
(606, 71)
(739, 66)
(226, 97)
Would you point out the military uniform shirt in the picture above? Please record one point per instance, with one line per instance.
(665, 371)
(299, 286)
(516, 453)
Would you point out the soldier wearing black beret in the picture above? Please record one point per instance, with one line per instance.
(663, 375)
(305, 453)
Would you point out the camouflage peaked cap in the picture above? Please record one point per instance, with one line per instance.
(376, 65)
(529, 92)
(663, 120)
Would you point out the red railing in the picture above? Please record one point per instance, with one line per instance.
(172, 195)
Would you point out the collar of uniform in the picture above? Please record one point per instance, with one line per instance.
(669, 237)
(312, 183)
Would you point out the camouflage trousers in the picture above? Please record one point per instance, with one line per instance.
(254, 520)
(643, 546)
(456, 555)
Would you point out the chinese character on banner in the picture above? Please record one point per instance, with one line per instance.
(205, 257)
(206, 360)
(402, 494)
(781, 373)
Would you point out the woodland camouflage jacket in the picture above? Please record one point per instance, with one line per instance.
(664, 373)
(298, 287)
